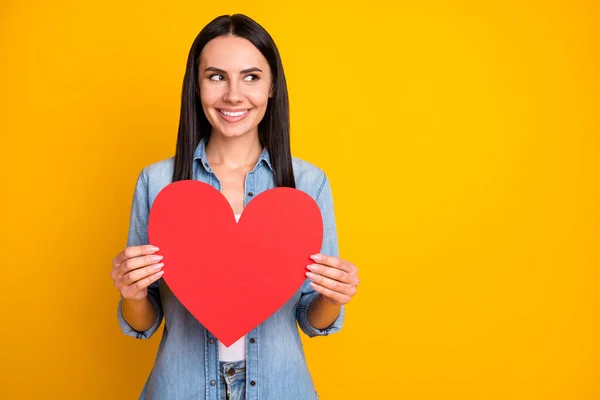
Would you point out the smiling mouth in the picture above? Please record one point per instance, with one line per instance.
(234, 114)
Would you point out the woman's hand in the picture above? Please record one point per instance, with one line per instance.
(134, 269)
(334, 278)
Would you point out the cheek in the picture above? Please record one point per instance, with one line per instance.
(209, 94)
(259, 98)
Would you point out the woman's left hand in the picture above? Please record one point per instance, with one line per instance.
(334, 278)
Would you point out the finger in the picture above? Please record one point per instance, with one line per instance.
(334, 262)
(335, 296)
(137, 262)
(140, 273)
(133, 251)
(114, 274)
(330, 272)
(331, 284)
(143, 283)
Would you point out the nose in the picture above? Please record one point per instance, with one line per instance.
(233, 93)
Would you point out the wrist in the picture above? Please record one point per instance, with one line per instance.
(325, 301)
(136, 302)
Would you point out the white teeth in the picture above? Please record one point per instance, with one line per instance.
(233, 114)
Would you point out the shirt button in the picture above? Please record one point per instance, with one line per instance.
(252, 383)
(213, 383)
(250, 194)
(252, 340)
(211, 341)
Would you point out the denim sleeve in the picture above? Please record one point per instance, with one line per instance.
(329, 247)
(138, 235)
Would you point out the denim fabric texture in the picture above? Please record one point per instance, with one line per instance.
(187, 362)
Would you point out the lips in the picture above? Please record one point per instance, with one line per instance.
(233, 115)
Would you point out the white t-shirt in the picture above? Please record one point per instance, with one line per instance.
(237, 351)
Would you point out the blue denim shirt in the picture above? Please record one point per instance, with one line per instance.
(186, 364)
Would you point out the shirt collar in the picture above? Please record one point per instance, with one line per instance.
(200, 154)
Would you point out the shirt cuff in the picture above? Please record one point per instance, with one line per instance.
(307, 328)
(129, 331)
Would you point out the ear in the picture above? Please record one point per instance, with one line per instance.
(271, 92)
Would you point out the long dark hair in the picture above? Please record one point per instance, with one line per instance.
(274, 128)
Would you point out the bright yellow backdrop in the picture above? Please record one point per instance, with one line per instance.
(461, 139)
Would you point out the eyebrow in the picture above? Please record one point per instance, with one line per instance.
(221, 71)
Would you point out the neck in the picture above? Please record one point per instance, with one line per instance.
(233, 152)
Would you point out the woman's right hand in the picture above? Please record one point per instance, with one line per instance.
(134, 269)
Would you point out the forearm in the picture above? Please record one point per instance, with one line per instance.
(139, 314)
(322, 312)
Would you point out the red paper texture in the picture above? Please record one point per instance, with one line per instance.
(230, 276)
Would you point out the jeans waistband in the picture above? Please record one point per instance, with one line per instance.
(233, 371)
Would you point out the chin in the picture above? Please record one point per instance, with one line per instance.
(233, 133)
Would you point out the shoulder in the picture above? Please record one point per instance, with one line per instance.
(159, 170)
(309, 178)
(156, 176)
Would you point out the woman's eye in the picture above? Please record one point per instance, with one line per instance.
(216, 77)
(251, 78)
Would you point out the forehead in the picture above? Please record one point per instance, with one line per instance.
(231, 53)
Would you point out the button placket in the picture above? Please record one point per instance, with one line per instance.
(252, 362)
(249, 187)
(212, 362)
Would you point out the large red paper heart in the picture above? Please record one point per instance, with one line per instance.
(232, 276)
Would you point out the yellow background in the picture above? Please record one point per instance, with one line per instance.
(461, 139)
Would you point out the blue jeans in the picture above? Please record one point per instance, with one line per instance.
(232, 380)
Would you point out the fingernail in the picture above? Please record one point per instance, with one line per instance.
(154, 248)
(311, 275)
(317, 257)
(157, 258)
(158, 266)
(312, 267)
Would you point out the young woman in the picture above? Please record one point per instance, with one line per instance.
(233, 135)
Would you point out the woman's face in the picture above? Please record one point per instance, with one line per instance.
(235, 85)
